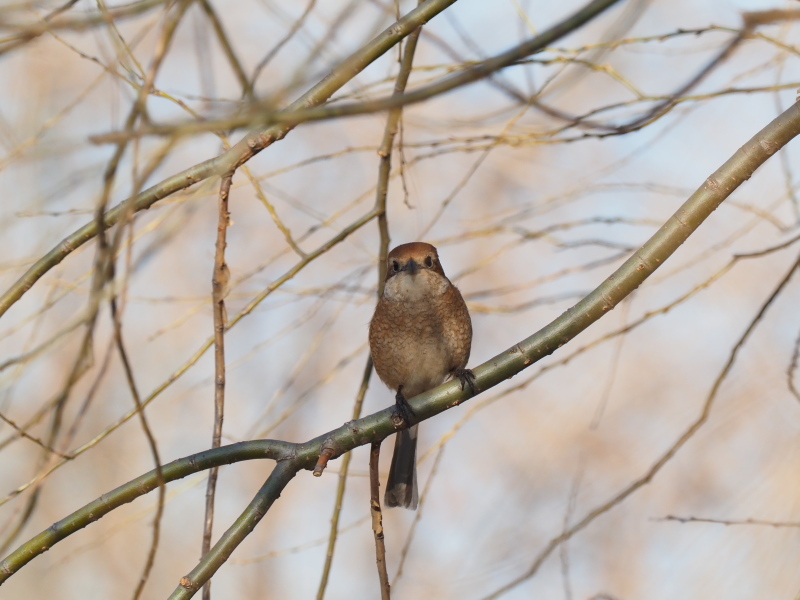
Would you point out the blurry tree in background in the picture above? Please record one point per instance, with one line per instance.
(653, 456)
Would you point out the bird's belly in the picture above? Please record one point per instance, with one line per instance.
(424, 368)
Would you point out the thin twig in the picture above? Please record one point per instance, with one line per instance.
(289, 35)
(377, 519)
(613, 368)
(52, 22)
(564, 553)
(793, 367)
(729, 521)
(227, 48)
(21, 432)
(340, 487)
(219, 286)
(151, 442)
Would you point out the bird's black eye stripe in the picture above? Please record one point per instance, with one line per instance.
(428, 262)
(395, 266)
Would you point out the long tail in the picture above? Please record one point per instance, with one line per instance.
(401, 488)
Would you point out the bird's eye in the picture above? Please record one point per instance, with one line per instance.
(395, 266)
(428, 262)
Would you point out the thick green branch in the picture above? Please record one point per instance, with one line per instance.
(281, 475)
(138, 487)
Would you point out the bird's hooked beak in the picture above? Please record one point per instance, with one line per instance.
(411, 267)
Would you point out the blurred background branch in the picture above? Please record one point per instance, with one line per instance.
(536, 181)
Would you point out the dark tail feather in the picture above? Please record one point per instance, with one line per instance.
(401, 488)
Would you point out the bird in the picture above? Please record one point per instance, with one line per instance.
(420, 336)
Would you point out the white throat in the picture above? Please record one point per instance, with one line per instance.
(405, 287)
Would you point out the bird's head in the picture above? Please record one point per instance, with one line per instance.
(414, 271)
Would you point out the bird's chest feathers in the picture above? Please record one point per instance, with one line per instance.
(416, 307)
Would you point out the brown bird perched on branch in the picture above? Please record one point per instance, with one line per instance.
(419, 336)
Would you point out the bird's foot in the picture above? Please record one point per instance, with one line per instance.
(403, 407)
(467, 377)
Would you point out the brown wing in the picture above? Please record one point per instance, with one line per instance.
(458, 327)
